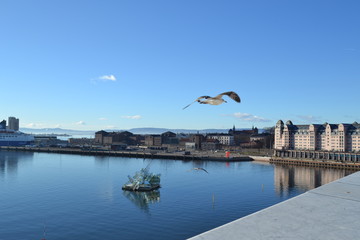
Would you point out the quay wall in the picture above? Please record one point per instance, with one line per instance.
(131, 154)
(316, 163)
(261, 158)
(343, 160)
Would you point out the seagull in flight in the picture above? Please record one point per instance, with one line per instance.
(217, 100)
(199, 169)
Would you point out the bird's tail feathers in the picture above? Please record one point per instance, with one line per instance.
(189, 104)
(186, 106)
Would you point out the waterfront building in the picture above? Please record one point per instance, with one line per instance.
(99, 136)
(190, 146)
(169, 138)
(106, 138)
(192, 142)
(343, 137)
(224, 139)
(242, 136)
(153, 140)
(198, 139)
(183, 140)
(262, 139)
(210, 145)
(13, 123)
(81, 141)
(174, 141)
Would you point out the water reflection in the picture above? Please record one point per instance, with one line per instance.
(143, 199)
(9, 162)
(288, 178)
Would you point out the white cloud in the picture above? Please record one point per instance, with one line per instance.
(102, 119)
(249, 117)
(104, 78)
(107, 78)
(34, 125)
(132, 117)
(80, 123)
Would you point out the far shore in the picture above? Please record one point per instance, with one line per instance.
(177, 155)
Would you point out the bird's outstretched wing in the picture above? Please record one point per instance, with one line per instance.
(197, 100)
(232, 95)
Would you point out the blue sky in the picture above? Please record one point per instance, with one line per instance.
(113, 64)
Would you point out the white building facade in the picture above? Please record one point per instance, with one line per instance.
(224, 139)
(341, 137)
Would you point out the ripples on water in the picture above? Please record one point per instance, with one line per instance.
(80, 197)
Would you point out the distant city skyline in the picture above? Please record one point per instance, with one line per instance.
(121, 64)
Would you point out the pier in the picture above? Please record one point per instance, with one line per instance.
(317, 159)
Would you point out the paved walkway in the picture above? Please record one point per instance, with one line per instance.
(331, 211)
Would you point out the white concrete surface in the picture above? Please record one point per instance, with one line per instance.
(260, 158)
(329, 212)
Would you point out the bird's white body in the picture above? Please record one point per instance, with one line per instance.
(217, 100)
(213, 101)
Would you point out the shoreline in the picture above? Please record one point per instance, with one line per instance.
(134, 154)
(194, 156)
(316, 163)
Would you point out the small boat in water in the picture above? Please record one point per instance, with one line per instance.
(142, 181)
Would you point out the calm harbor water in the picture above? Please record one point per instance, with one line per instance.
(80, 197)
